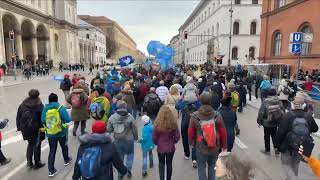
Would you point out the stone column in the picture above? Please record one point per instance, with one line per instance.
(18, 44)
(34, 47)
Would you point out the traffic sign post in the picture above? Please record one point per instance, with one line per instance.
(296, 40)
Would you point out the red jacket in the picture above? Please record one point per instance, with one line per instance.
(308, 85)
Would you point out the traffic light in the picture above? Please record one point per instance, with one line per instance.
(11, 35)
(186, 35)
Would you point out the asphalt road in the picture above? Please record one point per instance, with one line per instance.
(247, 145)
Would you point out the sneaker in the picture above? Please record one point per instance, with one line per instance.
(52, 174)
(39, 165)
(7, 161)
(265, 152)
(194, 164)
(144, 174)
(129, 174)
(68, 162)
(186, 157)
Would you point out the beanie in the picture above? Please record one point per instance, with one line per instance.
(33, 93)
(53, 98)
(99, 127)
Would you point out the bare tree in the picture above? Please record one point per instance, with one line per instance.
(111, 46)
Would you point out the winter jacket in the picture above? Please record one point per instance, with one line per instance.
(162, 92)
(165, 141)
(229, 117)
(285, 127)
(79, 113)
(314, 164)
(263, 111)
(127, 96)
(282, 87)
(63, 115)
(35, 106)
(190, 93)
(119, 119)
(65, 84)
(143, 91)
(109, 156)
(146, 137)
(206, 113)
(265, 85)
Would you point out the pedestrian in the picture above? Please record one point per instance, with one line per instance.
(55, 119)
(78, 100)
(3, 160)
(162, 91)
(66, 85)
(205, 130)
(96, 81)
(230, 120)
(146, 144)
(215, 94)
(98, 105)
(294, 129)
(264, 87)
(97, 149)
(307, 86)
(190, 91)
(83, 85)
(124, 129)
(173, 96)
(258, 81)
(249, 83)
(269, 116)
(152, 104)
(283, 92)
(28, 121)
(165, 135)
(127, 96)
(242, 91)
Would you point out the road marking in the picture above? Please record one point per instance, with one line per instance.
(240, 143)
(11, 140)
(10, 131)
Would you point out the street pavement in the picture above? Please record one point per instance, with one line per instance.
(247, 145)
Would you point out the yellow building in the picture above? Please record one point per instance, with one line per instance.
(118, 42)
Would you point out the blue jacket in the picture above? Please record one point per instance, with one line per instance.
(65, 118)
(146, 137)
(265, 84)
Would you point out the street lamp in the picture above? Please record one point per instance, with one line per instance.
(230, 34)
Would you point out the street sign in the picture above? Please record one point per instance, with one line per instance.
(295, 48)
(296, 37)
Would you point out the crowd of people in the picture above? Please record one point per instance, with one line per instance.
(206, 108)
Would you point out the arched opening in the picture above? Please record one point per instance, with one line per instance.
(10, 23)
(234, 53)
(276, 43)
(253, 28)
(306, 29)
(236, 26)
(43, 44)
(56, 43)
(252, 52)
(237, 1)
(27, 33)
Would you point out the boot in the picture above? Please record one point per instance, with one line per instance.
(39, 165)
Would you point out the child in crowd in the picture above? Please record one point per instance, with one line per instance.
(146, 144)
(3, 159)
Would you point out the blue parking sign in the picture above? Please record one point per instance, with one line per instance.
(296, 48)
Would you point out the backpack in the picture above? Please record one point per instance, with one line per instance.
(90, 162)
(120, 130)
(299, 134)
(286, 91)
(53, 121)
(235, 99)
(96, 109)
(274, 113)
(208, 133)
(76, 100)
(152, 104)
(29, 123)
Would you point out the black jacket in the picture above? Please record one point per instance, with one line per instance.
(110, 156)
(263, 114)
(35, 106)
(285, 127)
(229, 117)
(65, 84)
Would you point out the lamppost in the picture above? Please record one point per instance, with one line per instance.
(230, 34)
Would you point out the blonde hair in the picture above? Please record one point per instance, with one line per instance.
(166, 120)
(174, 90)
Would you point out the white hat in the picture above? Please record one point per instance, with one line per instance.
(145, 119)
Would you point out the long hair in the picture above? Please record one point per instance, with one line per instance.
(165, 121)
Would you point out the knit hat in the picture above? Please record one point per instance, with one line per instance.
(33, 93)
(121, 106)
(99, 127)
(145, 119)
(66, 76)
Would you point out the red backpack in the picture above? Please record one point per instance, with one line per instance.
(76, 100)
(208, 132)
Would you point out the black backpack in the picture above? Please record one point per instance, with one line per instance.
(152, 105)
(29, 123)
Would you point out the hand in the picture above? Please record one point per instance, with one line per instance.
(301, 153)
(259, 125)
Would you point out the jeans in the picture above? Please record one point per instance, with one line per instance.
(290, 163)
(165, 159)
(264, 94)
(203, 161)
(2, 157)
(53, 143)
(126, 147)
(256, 89)
(76, 125)
(230, 137)
(33, 149)
(66, 93)
(185, 142)
(267, 133)
(242, 102)
(145, 155)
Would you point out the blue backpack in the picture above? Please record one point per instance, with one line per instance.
(97, 109)
(90, 162)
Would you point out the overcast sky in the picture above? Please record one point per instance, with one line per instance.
(142, 20)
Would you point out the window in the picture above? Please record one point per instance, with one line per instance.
(87, 36)
(209, 11)
(254, 1)
(306, 46)
(217, 29)
(252, 52)
(280, 3)
(236, 28)
(234, 53)
(96, 47)
(237, 1)
(253, 28)
(276, 44)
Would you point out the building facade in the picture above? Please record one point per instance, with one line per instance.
(92, 44)
(44, 31)
(208, 29)
(279, 19)
(174, 43)
(118, 42)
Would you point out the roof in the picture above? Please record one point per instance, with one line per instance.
(193, 14)
(85, 25)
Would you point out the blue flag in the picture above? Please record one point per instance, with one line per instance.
(125, 61)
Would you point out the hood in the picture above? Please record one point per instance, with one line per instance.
(52, 105)
(127, 92)
(206, 110)
(94, 138)
(121, 117)
(34, 104)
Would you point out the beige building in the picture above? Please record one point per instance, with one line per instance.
(118, 42)
(44, 30)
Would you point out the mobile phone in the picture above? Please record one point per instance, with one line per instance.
(307, 148)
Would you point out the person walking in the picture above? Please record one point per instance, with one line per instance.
(162, 91)
(100, 146)
(3, 160)
(264, 87)
(152, 104)
(55, 118)
(146, 144)
(208, 134)
(269, 116)
(294, 129)
(66, 85)
(230, 120)
(78, 100)
(283, 92)
(124, 129)
(28, 121)
(165, 135)
(127, 96)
